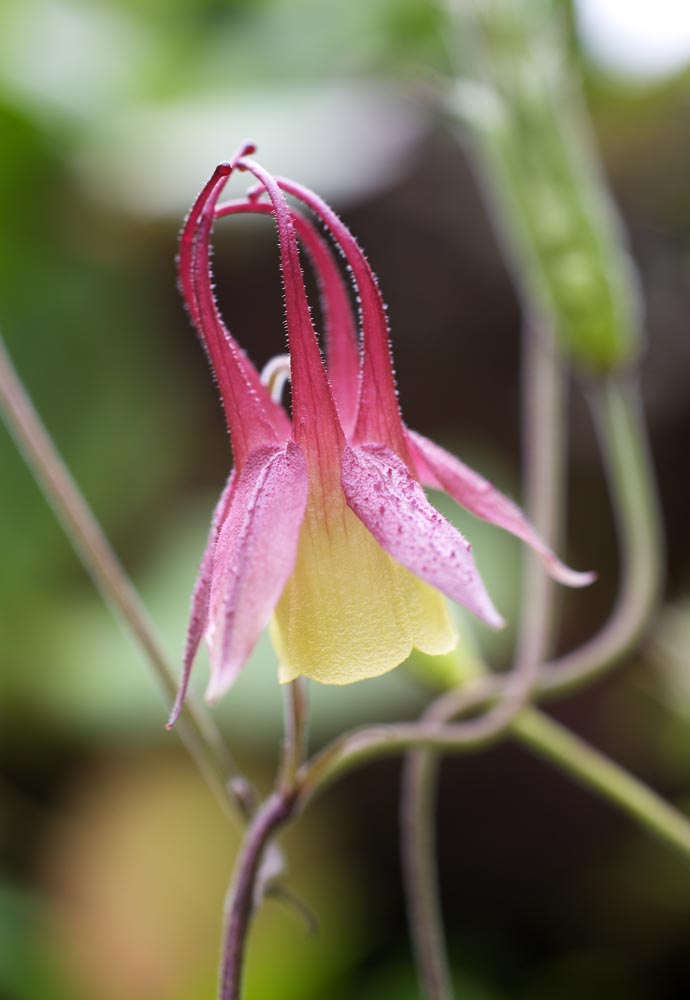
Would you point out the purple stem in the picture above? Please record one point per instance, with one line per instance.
(274, 813)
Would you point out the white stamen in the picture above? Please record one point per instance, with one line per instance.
(275, 374)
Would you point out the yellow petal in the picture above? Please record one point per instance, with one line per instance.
(349, 611)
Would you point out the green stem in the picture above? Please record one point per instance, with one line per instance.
(296, 712)
(418, 854)
(632, 483)
(532, 728)
(368, 743)
(420, 873)
(624, 445)
(543, 422)
(544, 449)
(596, 772)
(197, 730)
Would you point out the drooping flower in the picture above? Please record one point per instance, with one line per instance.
(323, 528)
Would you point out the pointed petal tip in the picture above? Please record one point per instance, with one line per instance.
(219, 684)
(567, 576)
(389, 501)
(226, 666)
(494, 620)
(224, 672)
(254, 557)
(439, 469)
(484, 610)
(184, 682)
(176, 710)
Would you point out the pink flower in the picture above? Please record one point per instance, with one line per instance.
(323, 528)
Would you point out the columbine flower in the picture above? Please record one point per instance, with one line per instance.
(323, 527)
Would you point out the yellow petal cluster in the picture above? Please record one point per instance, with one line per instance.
(349, 611)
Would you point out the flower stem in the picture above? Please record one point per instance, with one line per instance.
(420, 873)
(627, 459)
(273, 814)
(592, 769)
(245, 888)
(533, 729)
(418, 849)
(296, 711)
(543, 422)
(545, 448)
(368, 743)
(198, 731)
(635, 505)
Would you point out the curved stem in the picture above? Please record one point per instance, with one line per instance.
(418, 851)
(544, 448)
(625, 450)
(533, 729)
(300, 909)
(634, 498)
(198, 730)
(632, 483)
(274, 813)
(368, 743)
(420, 873)
(543, 420)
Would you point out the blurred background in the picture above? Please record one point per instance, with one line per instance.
(113, 855)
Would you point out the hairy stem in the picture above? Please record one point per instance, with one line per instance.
(198, 731)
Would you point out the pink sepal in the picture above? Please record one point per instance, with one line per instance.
(254, 556)
(200, 597)
(254, 419)
(315, 422)
(390, 502)
(439, 469)
(378, 415)
(341, 344)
